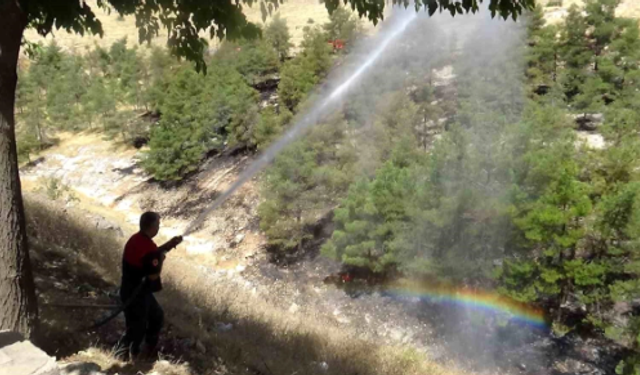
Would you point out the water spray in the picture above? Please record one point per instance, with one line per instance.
(305, 122)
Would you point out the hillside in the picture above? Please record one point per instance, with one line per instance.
(297, 13)
(627, 8)
(462, 202)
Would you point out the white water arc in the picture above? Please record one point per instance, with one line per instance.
(308, 119)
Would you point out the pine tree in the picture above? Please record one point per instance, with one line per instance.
(295, 83)
(213, 109)
(277, 34)
(99, 101)
(128, 70)
(304, 180)
(543, 58)
(175, 150)
(343, 25)
(574, 51)
(369, 218)
(253, 59)
(160, 66)
(270, 126)
(32, 118)
(316, 52)
(601, 18)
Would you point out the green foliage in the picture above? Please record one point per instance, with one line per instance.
(316, 52)
(55, 189)
(28, 145)
(374, 11)
(343, 25)
(277, 34)
(300, 75)
(304, 178)
(295, 83)
(270, 126)
(128, 70)
(253, 59)
(175, 149)
(575, 210)
(574, 51)
(197, 113)
(369, 219)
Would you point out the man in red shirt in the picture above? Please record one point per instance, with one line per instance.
(141, 266)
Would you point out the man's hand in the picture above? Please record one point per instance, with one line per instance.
(169, 245)
(175, 241)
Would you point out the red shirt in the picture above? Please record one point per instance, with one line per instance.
(138, 246)
(140, 259)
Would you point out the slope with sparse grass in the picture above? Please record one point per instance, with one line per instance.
(556, 10)
(298, 14)
(243, 330)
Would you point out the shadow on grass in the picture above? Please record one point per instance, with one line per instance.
(262, 338)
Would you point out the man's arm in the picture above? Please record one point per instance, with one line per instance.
(170, 245)
(154, 261)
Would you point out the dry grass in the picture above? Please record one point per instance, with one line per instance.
(296, 12)
(109, 364)
(264, 340)
(628, 8)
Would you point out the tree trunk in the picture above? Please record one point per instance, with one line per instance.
(18, 307)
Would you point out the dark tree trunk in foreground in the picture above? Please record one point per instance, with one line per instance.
(18, 307)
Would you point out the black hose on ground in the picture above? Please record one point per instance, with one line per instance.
(120, 309)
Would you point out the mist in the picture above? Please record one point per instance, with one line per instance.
(408, 46)
(473, 63)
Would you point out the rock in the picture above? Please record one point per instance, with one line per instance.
(138, 142)
(542, 89)
(622, 307)
(573, 305)
(575, 367)
(367, 318)
(522, 366)
(588, 121)
(200, 347)
(9, 337)
(21, 357)
(103, 224)
(81, 368)
(592, 140)
(324, 366)
(187, 344)
(237, 240)
(396, 334)
(224, 327)
(294, 308)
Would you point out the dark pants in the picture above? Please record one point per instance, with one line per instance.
(144, 318)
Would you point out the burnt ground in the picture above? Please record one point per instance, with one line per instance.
(477, 340)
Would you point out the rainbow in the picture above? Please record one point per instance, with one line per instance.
(487, 302)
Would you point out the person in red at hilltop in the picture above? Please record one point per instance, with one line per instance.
(141, 266)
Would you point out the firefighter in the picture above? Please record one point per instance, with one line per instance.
(141, 266)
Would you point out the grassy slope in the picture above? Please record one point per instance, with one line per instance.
(627, 8)
(264, 339)
(296, 12)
